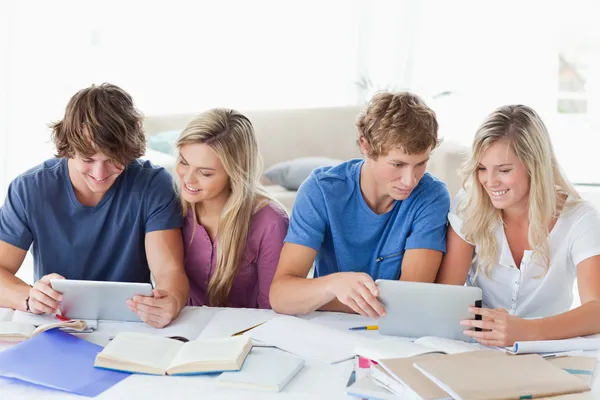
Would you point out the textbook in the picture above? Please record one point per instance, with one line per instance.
(157, 355)
(494, 378)
(18, 331)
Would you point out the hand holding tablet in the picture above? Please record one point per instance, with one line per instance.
(98, 300)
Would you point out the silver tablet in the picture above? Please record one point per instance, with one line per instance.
(415, 309)
(99, 300)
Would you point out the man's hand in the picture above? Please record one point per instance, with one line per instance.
(157, 311)
(358, 291)
(44, 299)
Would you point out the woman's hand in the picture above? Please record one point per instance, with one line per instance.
(499, 328)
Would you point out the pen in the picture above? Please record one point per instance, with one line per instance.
(247, 329)
(364, 328)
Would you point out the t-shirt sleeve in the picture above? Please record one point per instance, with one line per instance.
(585, 236)
(309, 216)
(14, 225)
(429, 227)
(163, 209)
(268, 257)
(454, 219)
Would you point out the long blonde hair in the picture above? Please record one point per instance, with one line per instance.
(529, 139)
(231, 135)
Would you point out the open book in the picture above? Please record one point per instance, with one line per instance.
(155, 355)
(18, 331)
(397, 348)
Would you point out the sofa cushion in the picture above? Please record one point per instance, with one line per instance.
(290, 174)
(164, 141)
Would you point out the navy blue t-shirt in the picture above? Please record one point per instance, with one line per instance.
(103, 243)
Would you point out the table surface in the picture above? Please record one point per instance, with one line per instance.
(316, 380)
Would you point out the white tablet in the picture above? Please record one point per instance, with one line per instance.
(99, 300)
(416, 309)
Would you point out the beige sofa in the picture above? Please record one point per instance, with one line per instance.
(289, 134)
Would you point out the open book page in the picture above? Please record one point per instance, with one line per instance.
(147, 350)
(6, 314)
(392, 348)
(342, 321)
(75, 326)
(555, 346)
(227, 321)
(15, 331)
(308, 339)
(447, 346)
(223, 350)
(190, 322)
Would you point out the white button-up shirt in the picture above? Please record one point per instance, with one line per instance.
(526, 291)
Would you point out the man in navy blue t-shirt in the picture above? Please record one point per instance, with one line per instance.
(383, 217)
(96, 212)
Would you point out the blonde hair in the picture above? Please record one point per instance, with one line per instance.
(231, 135)
(529, 139)
(397, 120)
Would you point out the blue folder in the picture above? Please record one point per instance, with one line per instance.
(60, 361)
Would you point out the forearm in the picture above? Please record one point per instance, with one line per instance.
(583, 320)
(177, 285)
(294, 295)
(338, 306)
(13, 291)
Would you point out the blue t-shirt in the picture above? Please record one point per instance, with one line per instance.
(103, 243)
(331, 216)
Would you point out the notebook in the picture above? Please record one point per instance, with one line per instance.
(580, 366)
(308, 339)
(17, 331)
(264, 369)
(155, 355)
(491, 378)
(394, 348)
(60, 361)
(554, 346)
(402, 370)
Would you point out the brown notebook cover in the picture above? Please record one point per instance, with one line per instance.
(499, 378)
(403, 370)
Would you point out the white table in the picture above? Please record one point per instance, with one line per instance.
(317, 380)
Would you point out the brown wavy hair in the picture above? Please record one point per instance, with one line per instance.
(100, 119)
(400, 120)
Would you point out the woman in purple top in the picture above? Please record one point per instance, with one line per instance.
(233, 230)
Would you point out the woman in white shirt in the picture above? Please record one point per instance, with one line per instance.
(521, 232)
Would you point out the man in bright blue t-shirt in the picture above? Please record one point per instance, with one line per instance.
(96, 212)
(381, 217)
